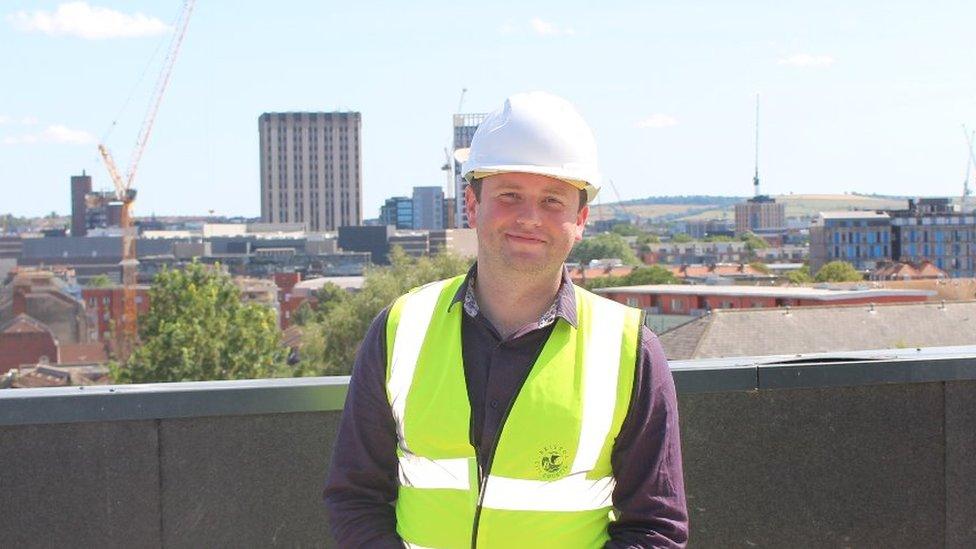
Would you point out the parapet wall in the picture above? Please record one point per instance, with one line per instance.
(849, 453)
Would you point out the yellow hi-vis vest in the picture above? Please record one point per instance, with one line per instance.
(549, 481)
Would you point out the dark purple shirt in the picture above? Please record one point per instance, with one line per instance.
(362, 484)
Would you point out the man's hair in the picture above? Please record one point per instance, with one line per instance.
(476, 187)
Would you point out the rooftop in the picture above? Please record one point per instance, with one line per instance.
(750, 332)
(786, 292)
(854, 214)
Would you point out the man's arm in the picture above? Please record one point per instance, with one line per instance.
(362, 483)
(650, 493)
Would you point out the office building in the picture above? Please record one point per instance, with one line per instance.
(311, 169)
(375, 240)
(931, 230)
(413, 243)
(428, 208)
(861, 238)
(464, 127)
(760, 213)
(398, 212)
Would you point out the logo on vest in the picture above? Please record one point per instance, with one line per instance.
(552, 462)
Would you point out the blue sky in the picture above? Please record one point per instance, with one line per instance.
(856, 96)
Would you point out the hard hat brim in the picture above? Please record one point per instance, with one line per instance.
(556, 173)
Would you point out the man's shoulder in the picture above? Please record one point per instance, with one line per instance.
(454, 282)
(430, 293)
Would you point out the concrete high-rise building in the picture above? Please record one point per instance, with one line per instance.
(759, 213)
(311, 169)
(428, 206)
(464, 127)
(81, 185)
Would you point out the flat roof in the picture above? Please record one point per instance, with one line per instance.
(787, 292)
(854, 214)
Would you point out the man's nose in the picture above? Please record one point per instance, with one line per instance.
(528, 214)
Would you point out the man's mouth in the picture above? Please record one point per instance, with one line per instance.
(526, 238)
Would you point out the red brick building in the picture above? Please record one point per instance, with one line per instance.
(24, 340)
(104, 306)
(288, 302)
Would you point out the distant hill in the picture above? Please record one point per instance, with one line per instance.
(699, 207)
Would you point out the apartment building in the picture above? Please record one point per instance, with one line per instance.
(311, 169)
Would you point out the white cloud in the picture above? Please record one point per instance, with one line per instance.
(546, 28)
(658, 120)
(807, 60)
(80, 20)
(4, 119)
(54, 134)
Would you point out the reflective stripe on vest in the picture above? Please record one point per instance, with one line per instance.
(571, 493)
(588, 373)
(417, 310)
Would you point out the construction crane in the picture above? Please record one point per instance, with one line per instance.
(619, 211)
(448, 166)
(126, 194)
(970, 162)
(461, 100)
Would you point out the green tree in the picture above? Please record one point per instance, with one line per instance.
(760, 266)
(329, 345)
(328, 297)
(644, 242)
(654, 274)
(303, 314)
(718, 238)
(603, 246)
(681, 238)
(800, 276)
(753, 242)
(626, 229)
(838, 271)
(99, 281)
(197, 328)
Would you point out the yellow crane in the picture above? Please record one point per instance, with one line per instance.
(126, 194)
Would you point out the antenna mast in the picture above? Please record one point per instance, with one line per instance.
(755, 177)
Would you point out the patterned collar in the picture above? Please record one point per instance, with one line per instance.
(564, 304)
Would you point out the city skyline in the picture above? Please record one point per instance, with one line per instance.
(868, 98)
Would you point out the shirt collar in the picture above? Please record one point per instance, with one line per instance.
(563, 306)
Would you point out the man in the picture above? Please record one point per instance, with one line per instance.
(509, 408)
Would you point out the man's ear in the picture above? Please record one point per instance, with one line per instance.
(471, 206)
(581, 218)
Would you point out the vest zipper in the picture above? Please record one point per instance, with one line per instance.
(483, 474)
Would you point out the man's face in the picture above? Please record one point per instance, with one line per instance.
(526, 222)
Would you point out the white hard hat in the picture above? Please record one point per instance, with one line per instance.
(536, 133)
